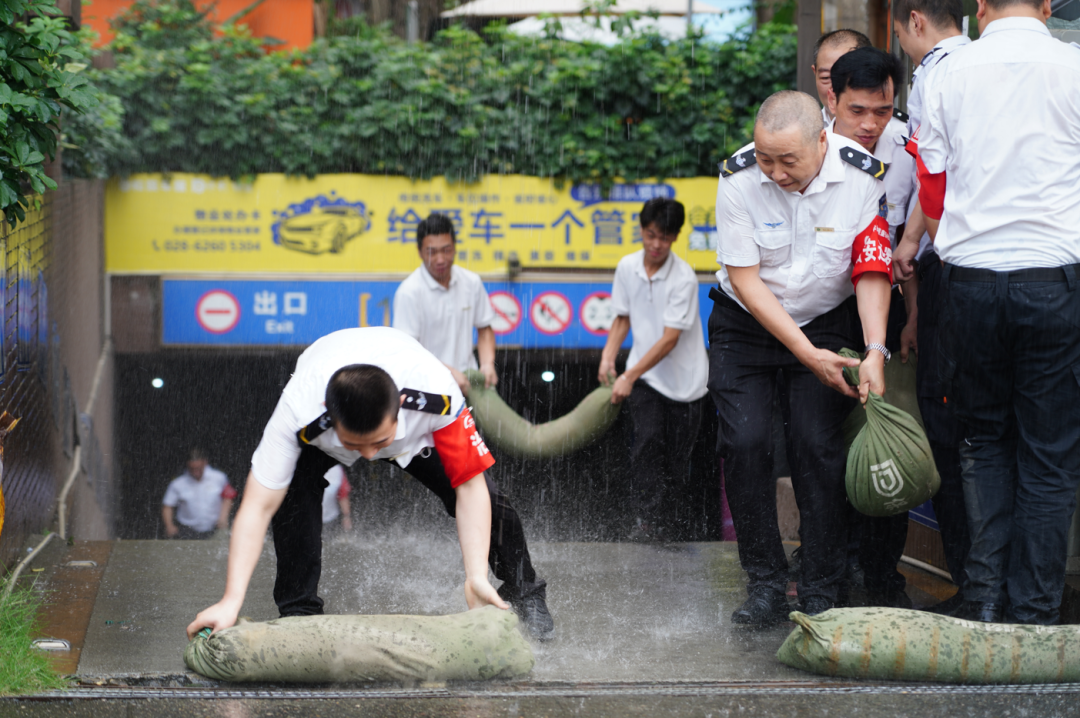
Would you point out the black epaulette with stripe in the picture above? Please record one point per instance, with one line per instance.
(899, 114)
(313, 430)
(867, 163)
(426, 402)
(737, 163)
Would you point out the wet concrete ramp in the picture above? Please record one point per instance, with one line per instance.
(624, 612)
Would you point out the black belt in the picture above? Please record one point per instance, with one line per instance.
(1035, 274)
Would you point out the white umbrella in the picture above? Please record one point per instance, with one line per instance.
(578, 29)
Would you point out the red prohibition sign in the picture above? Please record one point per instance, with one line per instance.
(217, 311)
(551, 313)
(507, 312)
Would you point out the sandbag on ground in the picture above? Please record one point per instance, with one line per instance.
(506, 430)
(471, 646)
(894, 643)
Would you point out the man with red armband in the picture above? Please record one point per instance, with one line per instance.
(804, 247)
(998, 153)
(373, 393)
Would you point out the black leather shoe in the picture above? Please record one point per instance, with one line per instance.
(815, 605)
(533, 612)
(982, 612)
(764, 607)
(949, 607)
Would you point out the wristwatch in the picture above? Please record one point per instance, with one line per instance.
(881, 348)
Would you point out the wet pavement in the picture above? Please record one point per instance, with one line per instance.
(642, 630)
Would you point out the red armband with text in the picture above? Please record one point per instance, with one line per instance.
(872, 251)
(462, 449)
(228, 492)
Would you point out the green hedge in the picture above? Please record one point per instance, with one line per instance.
(461, 106)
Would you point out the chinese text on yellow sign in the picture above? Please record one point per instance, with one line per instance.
(350, 223)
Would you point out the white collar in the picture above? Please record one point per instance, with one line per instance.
(662, 273)
(433, 283)
(1016, 23)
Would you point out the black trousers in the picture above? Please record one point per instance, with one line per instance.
(942, 428)
(1011, 353)
(297, 531)
(664, 435)
(880, 540)
(747, 366)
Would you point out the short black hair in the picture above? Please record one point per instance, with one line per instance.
(841, 36)
(866, 68)
(1002, 4)
(198, 454)
(942, 14)
(667, 214)
(359, 397)
(436, 223)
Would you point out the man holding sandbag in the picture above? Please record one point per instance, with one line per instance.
(373, 393)
(802, 218)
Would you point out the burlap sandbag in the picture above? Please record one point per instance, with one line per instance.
(507, 431)
(890, 467)
(471, 646)
(895, 643)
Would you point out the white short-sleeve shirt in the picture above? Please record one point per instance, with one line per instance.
(302, 401)
(197, 503)
(667, 299)
(442, 318)
(899, 181)
(801, 242)
(1002, 120)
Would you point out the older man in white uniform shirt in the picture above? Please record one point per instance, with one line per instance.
(440, 304)
(999, 167)
(801, 216)
(655, 294)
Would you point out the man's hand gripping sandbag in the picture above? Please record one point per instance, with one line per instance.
(472, 646)
(890, 467)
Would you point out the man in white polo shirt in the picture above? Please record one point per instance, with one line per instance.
(655, 293)
(198, 501)
(999, 167)
(441, 303)
(373, 393)
(802, 218)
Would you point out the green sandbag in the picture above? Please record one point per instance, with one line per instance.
(507, 431)
(896, 643)
(471, 646)
(890, 467)
(900, 391)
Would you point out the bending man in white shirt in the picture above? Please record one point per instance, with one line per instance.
(373, 393)
(441, 303)
(656, 294)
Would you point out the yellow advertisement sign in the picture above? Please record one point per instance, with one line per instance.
(350, 223)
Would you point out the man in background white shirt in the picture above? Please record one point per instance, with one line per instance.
(441, 303)
(655, 293)
(830, 46)
(198, 501)
(999, 167)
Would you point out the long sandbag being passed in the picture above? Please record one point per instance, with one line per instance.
(505, 430)
(900, 644)
(471, 646)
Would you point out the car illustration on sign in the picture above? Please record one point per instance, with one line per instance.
(323, 229)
